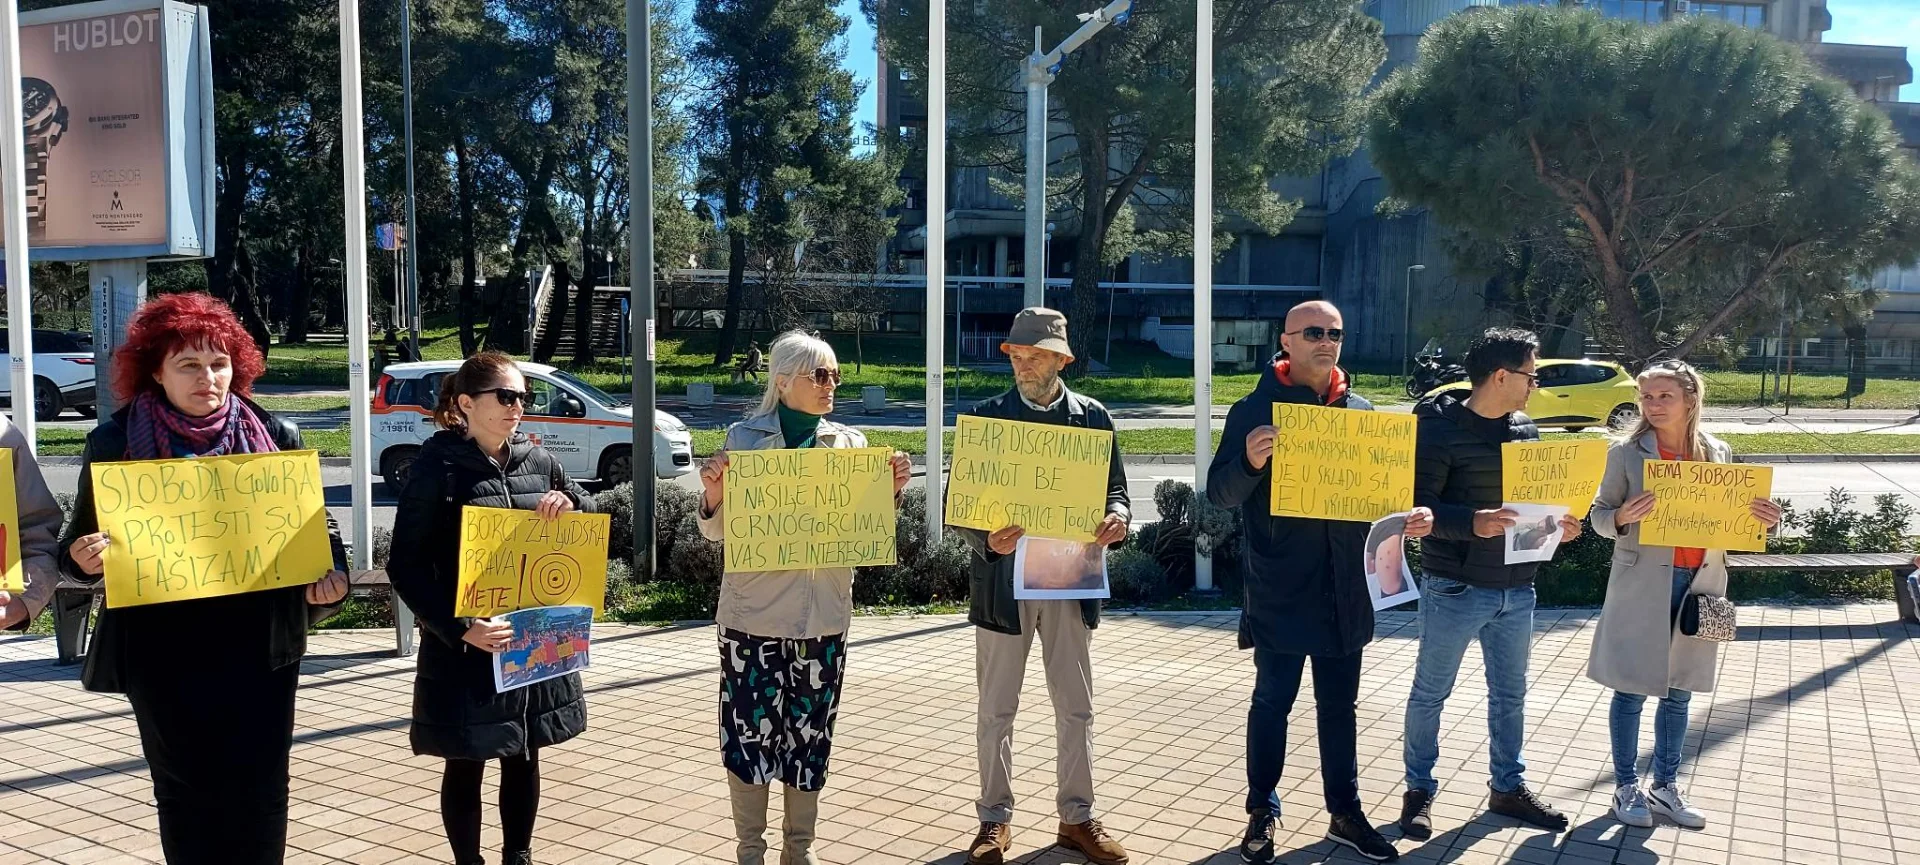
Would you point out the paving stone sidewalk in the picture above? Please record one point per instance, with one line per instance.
(1806, 754)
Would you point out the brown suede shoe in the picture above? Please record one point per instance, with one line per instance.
(990, 848)
(1091, 840)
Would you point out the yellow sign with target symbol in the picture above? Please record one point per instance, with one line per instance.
(514, 560)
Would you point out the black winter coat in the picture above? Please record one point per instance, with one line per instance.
(1456, 471)
(456, 712)
(287, 612)
(1305, 584)
(993, 606)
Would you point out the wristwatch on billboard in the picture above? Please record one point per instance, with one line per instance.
(46, 123)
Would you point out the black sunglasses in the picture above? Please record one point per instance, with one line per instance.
(508, 396)
(1317, 333)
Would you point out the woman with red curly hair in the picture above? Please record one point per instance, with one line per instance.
(211, 680)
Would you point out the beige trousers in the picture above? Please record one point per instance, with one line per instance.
(1001, 668)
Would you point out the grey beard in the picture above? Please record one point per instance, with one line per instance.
(1040, 393)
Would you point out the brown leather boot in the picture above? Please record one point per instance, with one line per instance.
(1090, 839)
(991, 847)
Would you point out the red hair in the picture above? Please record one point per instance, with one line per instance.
(175, 322)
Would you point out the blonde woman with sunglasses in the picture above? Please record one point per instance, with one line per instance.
(1636, 649)
(783, 635)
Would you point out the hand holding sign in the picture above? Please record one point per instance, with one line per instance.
(183, 529)
(1706, 505)
(1341, 464)
(513, 560)
(329, 591)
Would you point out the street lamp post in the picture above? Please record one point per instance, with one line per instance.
(1039, 71)
(412, 290)
(1406, 319)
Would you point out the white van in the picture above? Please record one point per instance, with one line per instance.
(588, 429)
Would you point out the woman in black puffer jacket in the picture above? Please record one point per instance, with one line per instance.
(479, 458)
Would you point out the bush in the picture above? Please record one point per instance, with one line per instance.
(672, 505)
(1187, 522)
(382, 546)
(1136, 577)
(926, 573)
(1577, 575)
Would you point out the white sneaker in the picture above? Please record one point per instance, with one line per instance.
(1666, 801)
(1630, 805)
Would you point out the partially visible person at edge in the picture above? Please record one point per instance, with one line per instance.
(39, 534)
(1470, 592)
(479, 458)
(1637, 650)
(217, 732)
(783, 634)
(1306, 591)
(1005, 628)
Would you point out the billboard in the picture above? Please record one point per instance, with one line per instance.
(119, 132)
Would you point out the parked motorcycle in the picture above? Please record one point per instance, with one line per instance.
(1431, 369)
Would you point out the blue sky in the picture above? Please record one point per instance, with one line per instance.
(1861, 22)
(1879, 22)
(860, 59)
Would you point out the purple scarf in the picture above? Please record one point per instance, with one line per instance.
(157, 430)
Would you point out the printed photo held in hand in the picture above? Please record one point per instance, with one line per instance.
(1389, 580)
(1051, 570)
(547, 642)
(1535, 533)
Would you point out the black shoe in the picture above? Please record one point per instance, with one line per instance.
(1257, 847)
(1354, 831)
(1416, 815)
(1524, 806)
(521, 858)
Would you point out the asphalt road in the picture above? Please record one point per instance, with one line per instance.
(1803, 484)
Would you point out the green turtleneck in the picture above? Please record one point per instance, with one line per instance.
(798, 427)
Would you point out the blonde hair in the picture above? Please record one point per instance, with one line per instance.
(795, 353)
(1693, 386)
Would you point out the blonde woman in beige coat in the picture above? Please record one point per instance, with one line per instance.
(783, 634)
(1637, 649)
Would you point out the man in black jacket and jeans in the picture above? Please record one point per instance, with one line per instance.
(1306, 591)
(1005, 627)
(1470, 591)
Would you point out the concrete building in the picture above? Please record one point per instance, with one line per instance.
(1339, 247)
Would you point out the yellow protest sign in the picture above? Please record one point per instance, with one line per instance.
(1554, 473)
(13, 577)
(514, 560)
(201, 528)
(792, 510)
(1049, 480)
(1705, 505)
(1341, 464)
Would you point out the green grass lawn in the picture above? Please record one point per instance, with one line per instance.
(1140, 373)
(56, 442)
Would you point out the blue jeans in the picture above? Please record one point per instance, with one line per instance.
(1453, 614)
(1669, 720)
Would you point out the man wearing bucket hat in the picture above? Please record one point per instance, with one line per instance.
(1037, 346)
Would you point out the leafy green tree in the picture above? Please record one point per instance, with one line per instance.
(1287, 84)
(1704, 170)
(776, 123)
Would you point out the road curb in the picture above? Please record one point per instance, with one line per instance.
(325, 462)
(1827, 458)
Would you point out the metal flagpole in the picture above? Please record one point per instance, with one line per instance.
(353, 150)
(935, 319)
(13, 141)
(1202, 270)
(412, 322)
(640, 224)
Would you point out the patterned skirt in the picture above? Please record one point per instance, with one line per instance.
(778, 701)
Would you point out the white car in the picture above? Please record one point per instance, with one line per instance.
(62, 373)
(588, 429)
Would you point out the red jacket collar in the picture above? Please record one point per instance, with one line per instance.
(1336, 386)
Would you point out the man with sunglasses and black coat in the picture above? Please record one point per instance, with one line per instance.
(1470, 592)
(1306, 591)
(1005, 627)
